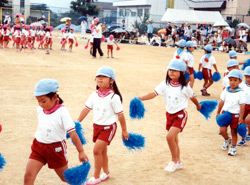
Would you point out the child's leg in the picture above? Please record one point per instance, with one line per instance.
(105, 166)
(32, 169)
(108, 53)
(172, 142)
(205, 83)
(111, 52)
(191, 80)
(100, 147)
(209, 83)
(247, 121)
(178, 149)
(234, 136)
(59, 172)
(223, 132)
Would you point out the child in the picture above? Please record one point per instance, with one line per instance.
(233, 101)
(71, 36)
(47, 39)
(110, 43)
(41, 35)
(63, 41)
(97, 34)
(206, 62)
(28, 38)
(33, 35)
(176, 93)
(6, 35)
(17, 36)
(54, 122)
(1, 36)
(90, 40)
(179, 53)
(51, 43)
(106, 102)
(246, 88)
(231, 64)
(189, 60)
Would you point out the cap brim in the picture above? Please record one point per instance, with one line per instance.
(102, 74)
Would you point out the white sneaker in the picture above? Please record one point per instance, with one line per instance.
(171, 167)
(226, 144)
(179, 166)
(232, 151)
(93, 181)
(104, 177)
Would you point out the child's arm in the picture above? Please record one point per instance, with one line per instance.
(148, 96)
(75, 39)
(199, 67)
(83, 114)
(221, 104)
(215, 67)
(122, 121)
(116, 44)
(242, 111)
(79, 147)
(195, 101)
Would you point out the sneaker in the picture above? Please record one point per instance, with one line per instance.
(93, 181)
(179, 166)
(47, 52)
(70, 50)
(248, 138)
(232, 151)
(93, 57)
(104, 177)
(242, 142)
(107, 56)
(226, 144)
(171, 167)
(112, 57)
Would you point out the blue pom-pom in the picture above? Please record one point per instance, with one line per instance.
(2, 162)
(195, 75)
(199, 75)
(216, 77)
(134, 142)
(187, 75)
(224, 119)
(136, 109)
(247, 63)
(77, 175)
(207, 107)
(80, 132)
(242, 130)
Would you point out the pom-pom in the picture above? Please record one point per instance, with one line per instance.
(136, 109)
(51, 41)
(118, 48)
(247, 63)
(16, 40)
(224, 119)
(195, 75)
(199, 75)
(91, 26)
(29, 45)
(242, 130)
(2, 162)
(64, 42)
(134, 142)
(76, 44)
(77, 175)
(207, 107)
(0, 128)
(216, 77)
(80, 132)
(22, 42)
(86, 46)
(187, 75)
(37, 39)
(9, 39)
(41, 43)
(103, 39)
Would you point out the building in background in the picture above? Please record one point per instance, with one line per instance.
(107, 13)
(18, 6)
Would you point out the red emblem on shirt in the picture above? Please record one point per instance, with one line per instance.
(206, 59)
(177, 56)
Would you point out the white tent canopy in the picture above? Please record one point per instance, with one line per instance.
(191, 16)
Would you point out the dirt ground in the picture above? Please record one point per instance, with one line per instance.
(138, 70)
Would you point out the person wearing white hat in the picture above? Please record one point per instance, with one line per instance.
(233, 101)
(231, 64)
(97, 35)
(7, 18)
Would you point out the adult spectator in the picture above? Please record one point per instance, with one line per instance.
(232, 33)
(17, 20)
(123, 25)
(125, 38)
(83, 28)
(169, 41)
(67, 24)
(242, 34)
(181, 32)
(209, 30)
(217, 40)
(203, 34)
(188, 34)
(150, 29)
(7, 19)
(143, 39)
(168, 29)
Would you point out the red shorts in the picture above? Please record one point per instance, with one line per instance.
(71, 41)
(18, 40)
(91, 43)
(207, 73)
(33, 38)
(48, 41)
(177, 120)
(110, 47)
(29, 39)
(190, 70)
(54, 154)
(104, 133)
(1, 38)
(41, 38)
(6, 38)
(247, 110)
(235, 120)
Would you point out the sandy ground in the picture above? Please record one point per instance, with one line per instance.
(138, 69)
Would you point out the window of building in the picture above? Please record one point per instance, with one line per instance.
(127, 12)
(133, 14)
(146, 11)
(121, 12)
(229, 18)
(22, 2)
(139, 12)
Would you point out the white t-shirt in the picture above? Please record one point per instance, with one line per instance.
(53, 127)
(48, 34)
(189, 58)
(27, 34)
(110, 42)
(5, 33)
(91, 38)
(24, 31)
(232, 101)
(64, 35)
(41, 32)
(18, 33)
(105, 109)
(209, 64)
(225, 82)
(175, 98)
(182, 54)
(99, 34)
(33, 32)
(246, 89)
(71, 35)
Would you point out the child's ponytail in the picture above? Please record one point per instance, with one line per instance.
(182, 79)
(52, 94)
(116, 90)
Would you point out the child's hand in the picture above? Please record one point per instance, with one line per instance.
(217, 115)
(83, 157)
(125, 135)
(241, 120)
(199, 107)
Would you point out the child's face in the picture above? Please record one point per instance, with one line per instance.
(174, 75)
(46, 103)
(234, 82)
(103, 82)
(233, 67)
(191, 49)
(247, 79)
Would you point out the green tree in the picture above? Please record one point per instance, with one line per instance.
(84, 7)
(3, 3)
(141, 25)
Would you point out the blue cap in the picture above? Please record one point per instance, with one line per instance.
(46, 86)
(208, 47)
(177, 65)
(232, 62)
(236, 74)
(190, 44)
(247, 71)
(106, 71)
(182, 43)
(232, 53)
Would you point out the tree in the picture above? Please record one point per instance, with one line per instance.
(142, 24)
(3, 3)
(84, 7)
(248, 13)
